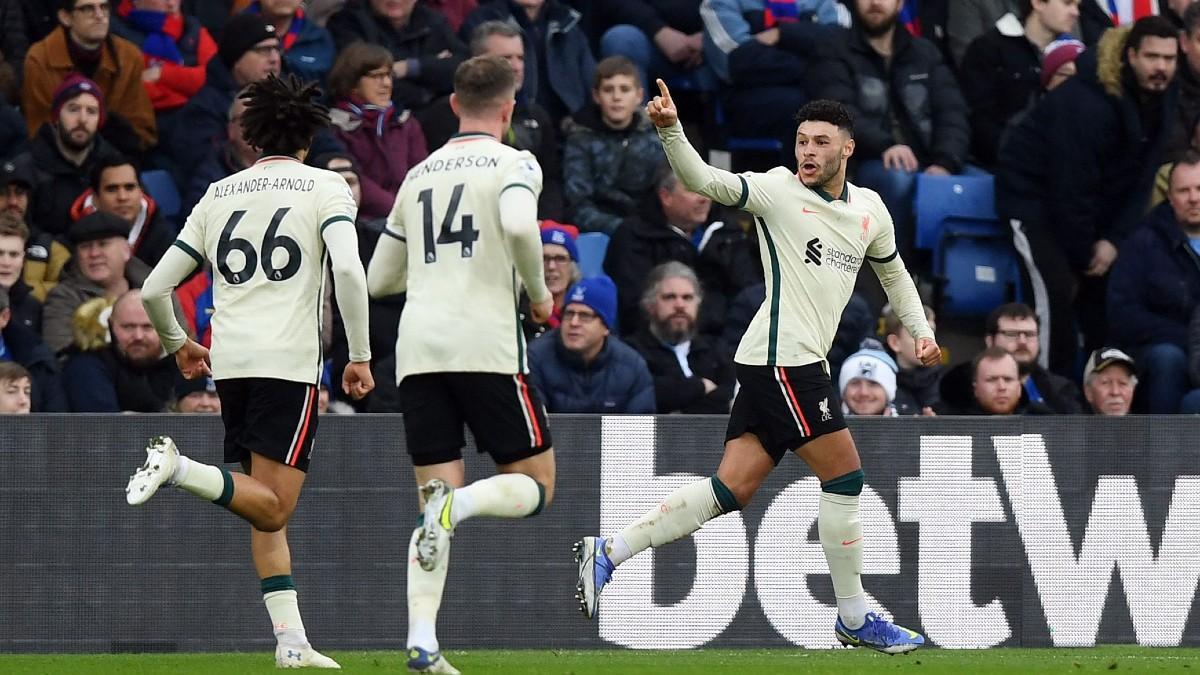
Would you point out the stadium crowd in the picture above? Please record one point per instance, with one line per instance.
(116, 116)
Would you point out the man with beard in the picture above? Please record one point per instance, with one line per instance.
(1015, 328)
(133, 374)
(994, 383)
(64, 152)
(102, 266)
(910, 115)
(1075, 175)
(812, 253)
(692, 374)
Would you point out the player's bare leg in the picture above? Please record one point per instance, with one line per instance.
(834, 459)
(520, 489)
(744, 467)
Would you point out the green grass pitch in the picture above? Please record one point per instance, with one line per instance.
(1118, 659)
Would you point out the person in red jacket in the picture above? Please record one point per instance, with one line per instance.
(176, 49)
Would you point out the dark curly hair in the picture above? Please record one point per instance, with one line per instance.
(824, 110)
(282, 116)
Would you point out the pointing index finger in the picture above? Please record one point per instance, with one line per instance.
(666, 93)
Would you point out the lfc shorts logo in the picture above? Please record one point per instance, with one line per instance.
(823, 406)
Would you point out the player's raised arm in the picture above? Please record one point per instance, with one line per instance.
(388, 271)
(696, 175)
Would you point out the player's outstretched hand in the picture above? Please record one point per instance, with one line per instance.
(192, 359)
(357, 380)
(661, 108)
(928, 353)
(541, 311)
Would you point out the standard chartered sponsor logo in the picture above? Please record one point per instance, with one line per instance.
(1072, 580)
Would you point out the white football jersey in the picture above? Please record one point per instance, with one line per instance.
(463, 289)
(262, 230)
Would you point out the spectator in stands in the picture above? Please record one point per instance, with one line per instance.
(385, 141)
(455, 11)
(198, 396)
(426, 52)
(1187, 112)
(45, 255)
(559, 64)
(532, 128)
(692, 373)
(176, 49)
(867, 383)
(762, 51)
(1076, 174)
(560, 262)
(1155, 289)
(231, 155)
(116, 188)
(132, 374)
(16, 186)
(102, 266)
(580, 367)
(665, 38)
(677, 224)
(968, 19)
(996, 384)
(1058, 64)
(1016, 328)
(917, 390)
(1097, 16)
(306, 47)
(247, 52)
(14, 237)
(1002, 70)
(16, 389)
(1109, 380)
(611, 152)
(64, 153)
(83, 44)
(23, 346)
(909, 113)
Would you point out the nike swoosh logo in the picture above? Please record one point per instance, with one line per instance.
(847, 543)
(806, 210)
(911, 633)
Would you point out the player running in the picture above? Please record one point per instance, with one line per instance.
(461, 235)
(268, 230)
(815, 230)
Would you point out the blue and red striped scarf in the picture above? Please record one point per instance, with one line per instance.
(910, 18)
(162, 31)
(1125, 12)
(293, 34)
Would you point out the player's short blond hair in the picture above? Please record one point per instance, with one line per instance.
(482, 83)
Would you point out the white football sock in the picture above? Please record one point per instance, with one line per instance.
(840, 532)
(200, 479)
(424, 597)
(618, 550)
(506, 495)
(680, 514)
(285, 618)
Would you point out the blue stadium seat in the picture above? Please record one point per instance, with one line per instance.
(162, 189)
(942, 197)
(976, 267)
(592, 247)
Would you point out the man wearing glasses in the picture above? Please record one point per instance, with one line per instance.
(1015, 328)
(84, 44)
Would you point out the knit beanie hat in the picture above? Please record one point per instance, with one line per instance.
(240, 35)
(71, 87)
(557, 235)
(599, 293)
(870, 364)
(1057, 54)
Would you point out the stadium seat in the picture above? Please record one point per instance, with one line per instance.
(592, 247)
(976, 267)
(942, 197)
(162, 190)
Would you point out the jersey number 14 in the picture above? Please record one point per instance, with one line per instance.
(466, 235)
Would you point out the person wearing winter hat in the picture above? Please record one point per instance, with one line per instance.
(868, 383)
(84, 46)
(196, 396)
(1058, 61)
(1109, 390)
(581, 367)
(560, 265)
